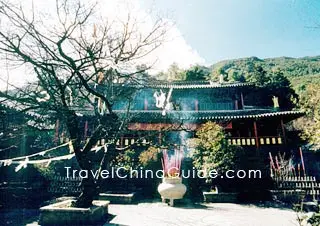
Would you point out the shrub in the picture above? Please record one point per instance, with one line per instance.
(210, 150)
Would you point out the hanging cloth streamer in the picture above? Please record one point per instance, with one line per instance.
(22, 164)
(101, 104)
(71, 149)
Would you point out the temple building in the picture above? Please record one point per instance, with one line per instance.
(163, 113)
(163, 108)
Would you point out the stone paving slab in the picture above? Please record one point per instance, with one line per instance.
(155, 213)
(215, 214)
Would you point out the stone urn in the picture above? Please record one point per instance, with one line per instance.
(171, 188)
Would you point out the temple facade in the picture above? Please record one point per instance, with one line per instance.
(162, 113)
(177, 109)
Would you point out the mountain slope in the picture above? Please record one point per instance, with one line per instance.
(291, 67)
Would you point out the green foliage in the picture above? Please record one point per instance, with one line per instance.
(269, 85)
(274, 74)
(55, 168)
(310, 125)
(281, 87)
(211, 152)
(259, 77)
(278, 85)
(236, 76)
(291, 67)
(241, 69)
(128, 159)
(307, 88)
(300, 84)
(221, 71)
(217, 71)
(47, 172)
(174, 73)
(150, 156)
(197, 73)
(150, 159)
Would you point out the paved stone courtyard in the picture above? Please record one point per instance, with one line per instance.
(215, 214)
(155, 213)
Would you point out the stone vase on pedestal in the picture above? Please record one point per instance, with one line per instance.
(171, 188)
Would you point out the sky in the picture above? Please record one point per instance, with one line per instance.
(207, 31)
(226, 29)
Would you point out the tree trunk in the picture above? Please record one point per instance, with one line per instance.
(89, 185)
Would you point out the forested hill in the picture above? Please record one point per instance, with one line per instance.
(291, 67)
(241, 69)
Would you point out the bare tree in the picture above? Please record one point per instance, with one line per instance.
(76, 60)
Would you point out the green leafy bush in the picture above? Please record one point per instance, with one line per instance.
(210, 150)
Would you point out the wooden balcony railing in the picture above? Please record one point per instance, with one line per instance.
(241, 141)
(251, 141)
(125, 141)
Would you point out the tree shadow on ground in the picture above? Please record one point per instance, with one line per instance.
(31, 217)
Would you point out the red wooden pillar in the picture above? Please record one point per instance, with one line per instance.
(283, 132)
(196, 105)
(256, 133)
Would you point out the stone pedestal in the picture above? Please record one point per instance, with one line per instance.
(62, 214)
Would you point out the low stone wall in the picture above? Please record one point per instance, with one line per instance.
(220, 197)
(62, 214)
(288, 196)
(119, 198)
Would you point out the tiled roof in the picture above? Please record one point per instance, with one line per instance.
(189, 84)
(33, 118)
(209, 115)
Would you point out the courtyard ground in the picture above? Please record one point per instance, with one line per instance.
(155, 213)
(213, 214)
